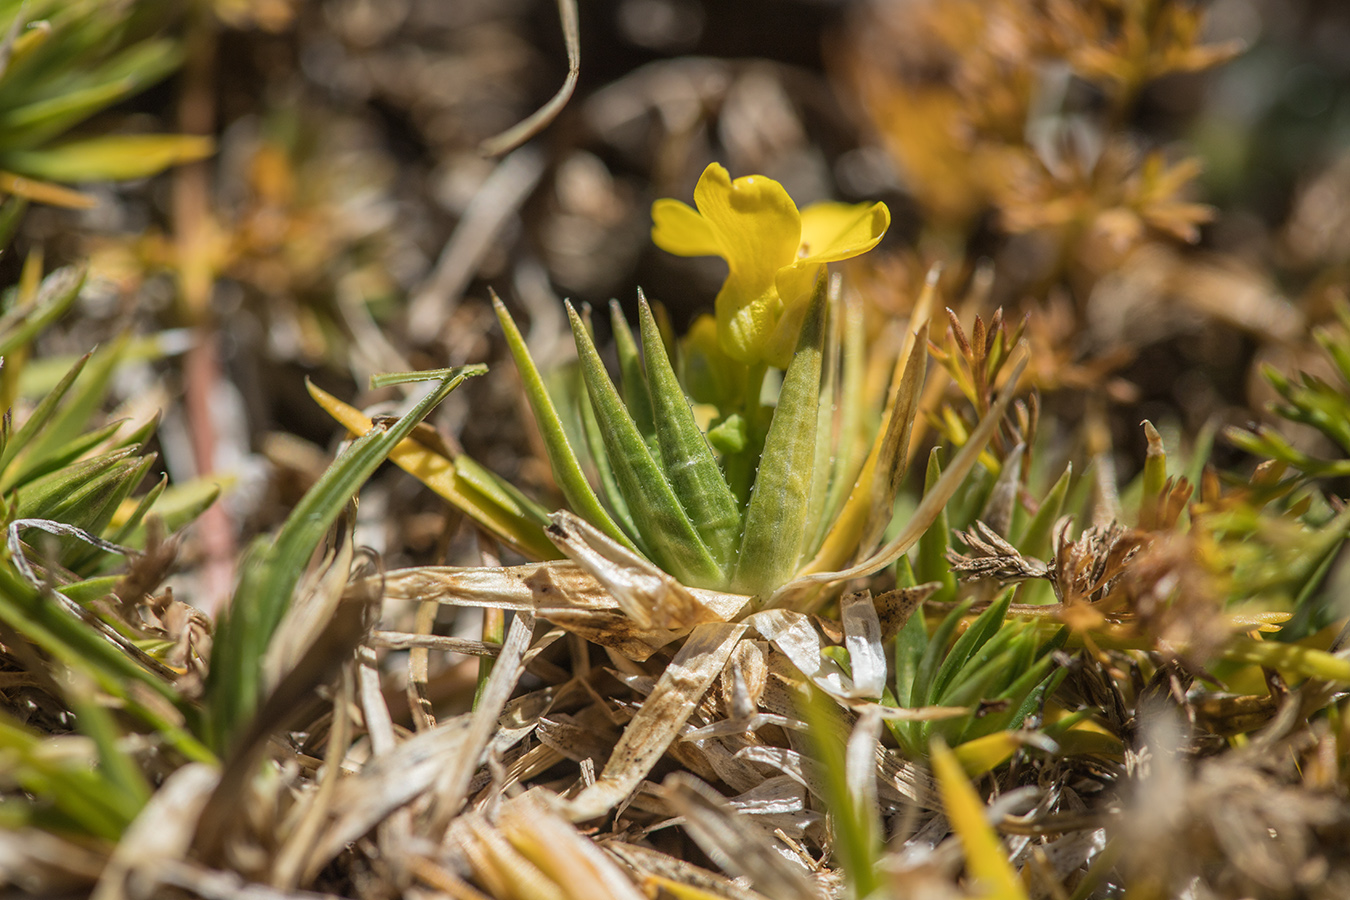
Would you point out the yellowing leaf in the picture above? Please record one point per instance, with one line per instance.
(986, 858)
(438, 473)
(114, 157)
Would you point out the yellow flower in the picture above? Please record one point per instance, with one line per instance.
(774, 254)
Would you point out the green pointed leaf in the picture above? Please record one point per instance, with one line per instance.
(82, 403)
(852, 446)
(890, 467)
(498, 490)
(11, 214)
(661, 521)
(632, 380)
(594, 441)
(931, 563)
(57, 494)
(983, 629)
(177, 506)
(775, 520)
(133, 521)
(566, 468)
(39, 418)
(1036, 541)
(921, 694)
(688, 460)
(32, 466)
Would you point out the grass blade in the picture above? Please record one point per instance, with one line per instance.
(566, 468)
(275, 567)
(517, 525)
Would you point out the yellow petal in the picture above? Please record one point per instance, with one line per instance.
(795, 284)
(756, 224)
(746, 318)
(678, 228)
(835, 231)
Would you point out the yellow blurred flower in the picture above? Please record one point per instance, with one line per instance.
(774, 254)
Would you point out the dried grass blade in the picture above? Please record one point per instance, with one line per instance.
(797, 639)
(933, 503)
(862, 638)
(162, 831)
(572, 860)
(522, 131)
(659, 720)
(747, 852)
(858, 517)
(453, 786)
(560, 592)
(390, 782)
(662, 875)
(293, 857)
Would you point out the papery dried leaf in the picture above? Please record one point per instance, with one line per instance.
(657, 872)
(571, 860)
(657, 724)
(796, 638)
(559, 592)
(650, 597)
(862, 638)
(748, 852)
(162, 831)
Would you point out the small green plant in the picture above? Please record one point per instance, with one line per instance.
(62, 62)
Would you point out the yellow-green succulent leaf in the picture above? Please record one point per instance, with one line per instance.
(663, 524)
(632, 380)
(688, 459)
(566, 468)
(775, 519)
(827, 440)
(578, 404)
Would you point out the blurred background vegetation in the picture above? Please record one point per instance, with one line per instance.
(229, 197)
